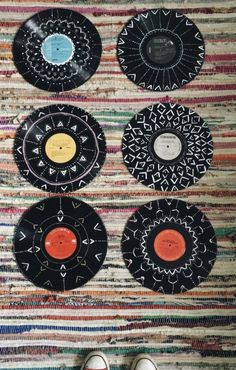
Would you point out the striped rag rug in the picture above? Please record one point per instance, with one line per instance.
(112, 312)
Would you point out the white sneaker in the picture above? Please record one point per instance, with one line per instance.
(95, 361)
(143, 362)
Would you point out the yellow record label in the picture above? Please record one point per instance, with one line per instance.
(60, 148)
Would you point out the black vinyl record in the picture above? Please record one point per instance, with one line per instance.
(169, 246)
(60, 243)
(160, 49)
(167, 147)
(59, 148)
(57, 49)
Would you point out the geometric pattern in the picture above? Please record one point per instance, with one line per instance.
(165, 24)
(139, 154)
(151, 271)
(29, 243)
(45, 123)
(80, 33)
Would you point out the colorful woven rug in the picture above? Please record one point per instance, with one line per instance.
(112, 312)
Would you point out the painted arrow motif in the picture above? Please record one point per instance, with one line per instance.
(60, 215)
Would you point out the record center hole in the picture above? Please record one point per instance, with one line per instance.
(60, 243)
(169, 245)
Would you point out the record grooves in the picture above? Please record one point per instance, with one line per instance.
(160, 49)
(167, 147)
(169, 246)
(59, 148)
(57, 49)
(60, 243)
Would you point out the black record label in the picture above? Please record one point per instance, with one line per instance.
(59, 148)
(169, 246)
(167, 147)
(57, 49)
(160, 49)
(60, 243)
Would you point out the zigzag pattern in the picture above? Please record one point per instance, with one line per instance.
(150, 270)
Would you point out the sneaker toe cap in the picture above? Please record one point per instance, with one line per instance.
(96, 363)
(145, 364)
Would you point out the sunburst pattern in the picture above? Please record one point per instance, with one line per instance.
(147, 267)
(160, 50)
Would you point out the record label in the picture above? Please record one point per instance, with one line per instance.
(169, 246)
(57, 49)
(160, 49)
(60, 243)
(167, 147)
(59, 148)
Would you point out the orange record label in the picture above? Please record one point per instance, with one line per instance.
(60, 243)
(169, 245)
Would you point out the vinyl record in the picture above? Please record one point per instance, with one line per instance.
(160, 49)
(57, 49)
(60, 243)
(169, 246)
(59, 148)
(167, 147)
